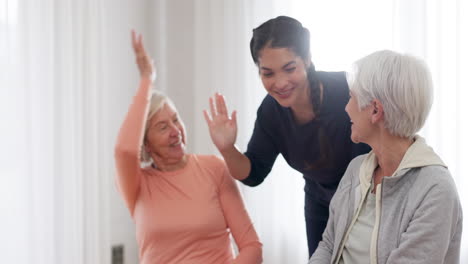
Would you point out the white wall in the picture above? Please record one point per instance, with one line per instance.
(171, 45)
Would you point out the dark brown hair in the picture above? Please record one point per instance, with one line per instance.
(287, 32)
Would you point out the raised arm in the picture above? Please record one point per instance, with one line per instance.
(238, 220)
(223, 132)
(130, 137)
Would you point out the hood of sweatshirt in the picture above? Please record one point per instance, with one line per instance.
(419, 154)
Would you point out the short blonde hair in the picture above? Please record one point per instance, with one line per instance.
(403, 84)
(157, 101)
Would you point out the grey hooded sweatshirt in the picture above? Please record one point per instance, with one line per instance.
(418, 211)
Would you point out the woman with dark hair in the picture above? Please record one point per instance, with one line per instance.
(302, 118)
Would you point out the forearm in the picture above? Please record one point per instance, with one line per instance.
(251, 254)
(321, 255)
(239, 222)
(131, 132)
(238, 164)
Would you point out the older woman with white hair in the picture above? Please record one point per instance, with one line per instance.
(398, 203)
(185, 206)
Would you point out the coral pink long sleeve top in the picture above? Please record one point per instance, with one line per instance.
(182, 216)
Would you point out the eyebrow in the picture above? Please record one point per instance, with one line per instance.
(160, 123)
(164, 122)
(284, 66)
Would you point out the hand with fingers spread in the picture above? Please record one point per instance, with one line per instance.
(144, 62)
(223, 129)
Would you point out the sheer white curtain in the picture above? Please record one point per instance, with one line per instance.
(53, 209)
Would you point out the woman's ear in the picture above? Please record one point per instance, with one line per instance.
(377, 111)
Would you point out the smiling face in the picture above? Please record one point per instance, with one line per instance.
(165, 137)
(284, 75)
(361, 120)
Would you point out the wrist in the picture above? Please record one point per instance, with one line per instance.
(229, 151)
(146, 78)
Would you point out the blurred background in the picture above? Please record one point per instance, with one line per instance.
(67, 76)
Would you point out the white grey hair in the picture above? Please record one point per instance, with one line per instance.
(157, 101)
(401, 82)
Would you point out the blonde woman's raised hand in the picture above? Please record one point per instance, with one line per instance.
(223, 129)
(144, 62)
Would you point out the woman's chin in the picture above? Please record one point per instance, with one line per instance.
(355, 139)
(286, 99)
(284, 102)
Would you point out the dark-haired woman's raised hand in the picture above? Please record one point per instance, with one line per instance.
(223, 129)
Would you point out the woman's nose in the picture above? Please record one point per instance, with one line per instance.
(175, 131)
(281, 82)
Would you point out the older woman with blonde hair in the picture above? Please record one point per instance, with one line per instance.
(185, 206)
(398, 203)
